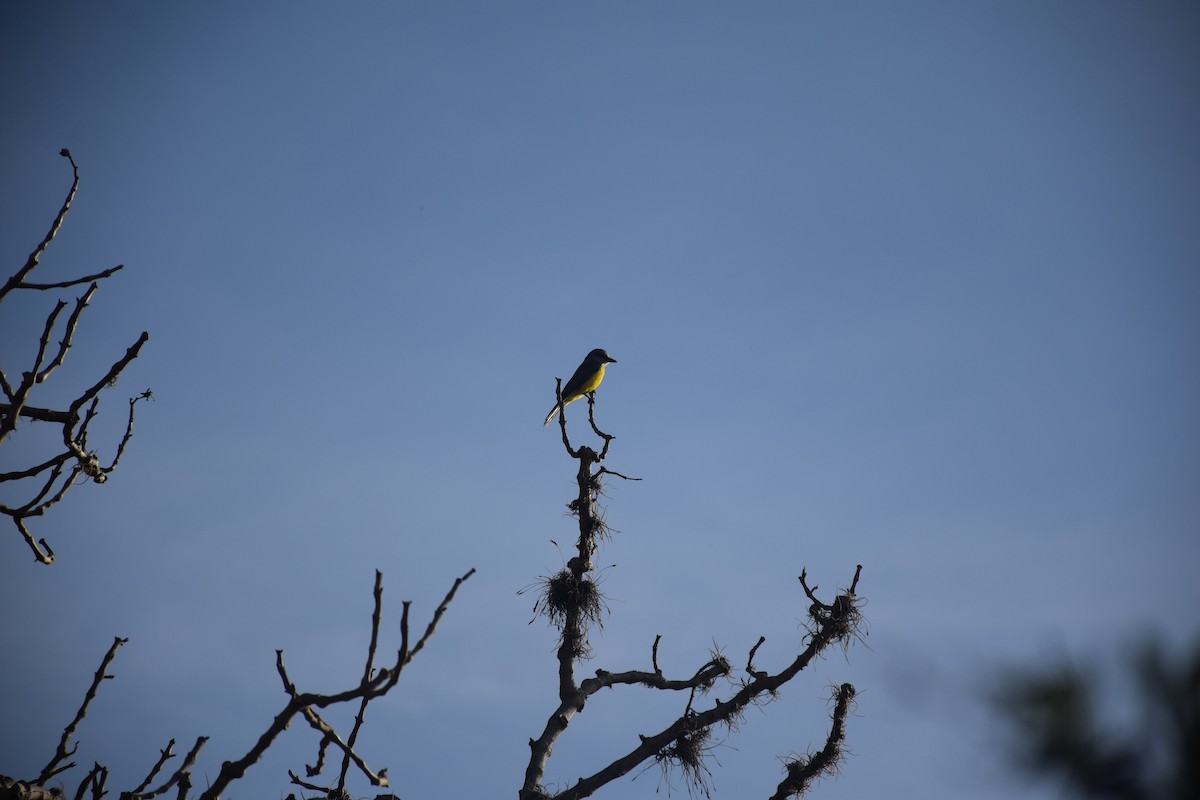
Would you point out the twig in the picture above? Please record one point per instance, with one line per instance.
(57, 461)
(38, 505)
(18, 278)
(592, 420)
(110, 377)
(42, 551)
(312, 787)
(96, 778)
(314, 719)
(376, 617)
(21, 394)
(312, 770)
(181, 777)
(704, 677)
(64, 344)
(562, 418)
(440, 612)
(95, 276)
(133, 401)
(607, 471)
(164, 755)
(750, 670)
(61, 753)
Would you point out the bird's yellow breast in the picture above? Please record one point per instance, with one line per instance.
(591, 383)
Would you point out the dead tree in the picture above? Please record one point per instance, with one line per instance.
(573, 603)
(375, 682)
(45, 482)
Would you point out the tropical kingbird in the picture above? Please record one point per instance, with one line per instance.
(584, 381)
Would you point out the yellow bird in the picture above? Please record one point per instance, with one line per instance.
(584, 381)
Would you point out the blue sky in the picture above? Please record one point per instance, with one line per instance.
(907, 285)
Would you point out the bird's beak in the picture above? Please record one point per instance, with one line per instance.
(611, 361)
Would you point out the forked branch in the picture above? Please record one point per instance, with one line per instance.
(572, 602)
(761, 687)
(50, 474)
(374, 683)
(368, 688)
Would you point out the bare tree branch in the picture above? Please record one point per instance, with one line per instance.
(68, 333)
(130, 354)
(331, 736)
(35, 413)
(61, 753)
(368, 671)
(17, 393)
(762, 685)
(571, 602)
(370, 687)
(801, 772)
(95, 779)
(592, 421)
(17, 280)
(181, 777)
(303, 784)
(704, 677)
(57, 461)
(95, 276)
(163, 756)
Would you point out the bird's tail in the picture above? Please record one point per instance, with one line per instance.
(553, 413)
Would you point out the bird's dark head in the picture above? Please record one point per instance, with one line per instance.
(599, 355)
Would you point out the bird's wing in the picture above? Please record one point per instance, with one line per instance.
(585, 371)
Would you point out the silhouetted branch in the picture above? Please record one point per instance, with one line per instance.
(438, 613)
(318, 766)
(562, 417)
(801, 772)
(68, 333)
(133, 401)
(163, 756)
(374, 683)
(703, 679)
(95, 779)
(15, 405)
(17, 280)
(572, 602)
(181, 777)
(61, 753)
(130, 354)
(330, 735)
(607, 471)
(369, 687)
(303, 784)
(95, 276)
(750, 670)
(359, 718)
(679, 738)
(57, 461)
(592, 421)
(37, 414)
